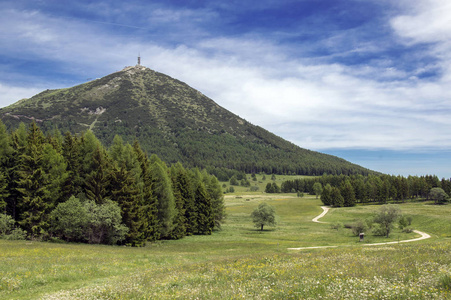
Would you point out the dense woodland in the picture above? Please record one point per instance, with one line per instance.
(342, 190)
(72, 188)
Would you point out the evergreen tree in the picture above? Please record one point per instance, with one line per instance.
(162, 189)
(125, 192)
(54, 166)
(326, 195)
(205, 218)
(148, 201)
(32, 185)
(97, 182)
(347, 191)
(116, 151)
(71, 152)
(5, 144)
(217, 198)
(11, 166)
(3, 192)
(180, 220)
(186, 189)
(336, 197)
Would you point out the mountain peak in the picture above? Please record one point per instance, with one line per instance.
(172, 120)
(133, 69)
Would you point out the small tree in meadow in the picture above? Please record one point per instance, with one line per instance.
(386, 216)
(263, 215)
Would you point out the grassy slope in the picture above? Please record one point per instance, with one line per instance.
(240, 261)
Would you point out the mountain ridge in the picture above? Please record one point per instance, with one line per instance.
(172, 120)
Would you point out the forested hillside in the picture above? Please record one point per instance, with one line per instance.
(73, 188)
(172, 120)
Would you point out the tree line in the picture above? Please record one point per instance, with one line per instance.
(342, 190)
(71, 187)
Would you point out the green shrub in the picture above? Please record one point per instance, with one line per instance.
(403, 222)
(6, 224)
(358, 228)
(16, 234)
(378, 230)
(407, 230)
(8, 231)
(336, 226)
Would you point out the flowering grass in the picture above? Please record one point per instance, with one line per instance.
(241, 262)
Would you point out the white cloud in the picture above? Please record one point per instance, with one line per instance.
(317, 106)
(11, 94)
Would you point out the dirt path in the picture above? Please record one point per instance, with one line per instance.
(424, 236)
(326, 209)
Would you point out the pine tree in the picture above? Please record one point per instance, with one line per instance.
(336, 197)
(347, 191)
(217, 198)
(180, 221)
(205, 218)
(34, 203)
(186, 189)
(11, 167)
(6, 152)
(54, 165)
(97, 182)
(3, 192)
(125, 192)
(162, 189)
(147, 199)
(71, 153)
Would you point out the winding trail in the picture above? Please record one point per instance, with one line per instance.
(326, 209)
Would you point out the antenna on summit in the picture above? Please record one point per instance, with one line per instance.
(139, 59)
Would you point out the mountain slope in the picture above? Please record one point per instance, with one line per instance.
(172, 120)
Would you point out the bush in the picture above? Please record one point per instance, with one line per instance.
(234, 181)
(6, 224)
(407, 230)
(254, 188)
(244, 182)
(358, 228)
(8, 231)
(348, 225)
(403, 222)
(378, 229)
(336, 226)
(88, 222)
(16, 234)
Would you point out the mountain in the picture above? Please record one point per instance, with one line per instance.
(172, 120)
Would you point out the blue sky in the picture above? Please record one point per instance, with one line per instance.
(366, 80)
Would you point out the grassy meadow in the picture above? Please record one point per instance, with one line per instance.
(241, 262)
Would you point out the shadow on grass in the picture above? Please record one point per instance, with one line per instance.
(260, 231)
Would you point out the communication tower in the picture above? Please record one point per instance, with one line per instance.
(139, 59)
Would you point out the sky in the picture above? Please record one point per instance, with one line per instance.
(365, 80)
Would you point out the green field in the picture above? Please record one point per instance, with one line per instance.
(240, 262)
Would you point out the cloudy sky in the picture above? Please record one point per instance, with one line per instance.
(366, 80)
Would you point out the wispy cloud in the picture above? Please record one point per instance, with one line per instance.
(340, 90)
